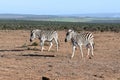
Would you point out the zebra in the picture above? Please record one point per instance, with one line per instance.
(79, 39)
(44, 35)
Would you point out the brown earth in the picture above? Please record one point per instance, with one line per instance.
(18, 61)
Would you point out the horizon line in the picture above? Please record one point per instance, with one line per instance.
(60, 14)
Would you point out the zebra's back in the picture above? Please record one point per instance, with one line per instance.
(48, 35)
(84, 38)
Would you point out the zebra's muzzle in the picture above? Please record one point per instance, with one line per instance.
(65, 40)
(30, 40)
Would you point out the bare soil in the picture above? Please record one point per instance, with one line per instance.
(19, 61)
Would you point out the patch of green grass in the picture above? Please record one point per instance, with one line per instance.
(24, 45)
(34, 44)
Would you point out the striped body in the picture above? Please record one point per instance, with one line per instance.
(79, 39)
(44, 35)
(82, 38)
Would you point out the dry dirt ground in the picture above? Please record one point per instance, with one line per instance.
(18, 61)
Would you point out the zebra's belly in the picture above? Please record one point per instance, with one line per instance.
(83, 42)
(46, 39)
(49, 40)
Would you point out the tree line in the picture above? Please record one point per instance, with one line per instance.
(49, 25)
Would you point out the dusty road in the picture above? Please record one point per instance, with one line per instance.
(17, 62)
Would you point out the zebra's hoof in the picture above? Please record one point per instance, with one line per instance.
(71, 57)
(90, 57)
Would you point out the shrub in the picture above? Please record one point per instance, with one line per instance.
(34, 44)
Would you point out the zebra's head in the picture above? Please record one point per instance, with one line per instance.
(33, 35)
(69, 35)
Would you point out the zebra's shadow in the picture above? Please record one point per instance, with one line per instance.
(28, 54)
(13, 50)
(37, 55)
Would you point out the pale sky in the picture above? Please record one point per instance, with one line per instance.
(61, 7)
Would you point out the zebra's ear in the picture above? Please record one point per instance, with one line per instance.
(71, 30)
(37, 30)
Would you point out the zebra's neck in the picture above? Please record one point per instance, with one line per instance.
(73, 39)
(74, 35)
(38, 34)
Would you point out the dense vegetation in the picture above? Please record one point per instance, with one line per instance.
(29, 25)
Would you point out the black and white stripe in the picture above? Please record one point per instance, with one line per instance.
(45, 35)
(79, 39)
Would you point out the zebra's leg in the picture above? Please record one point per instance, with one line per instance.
(88, 52)
(80, 46)
(51, 44)
(92, 49)
(88, 47)
(56, 41)
(73, 51)
(42, 45)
